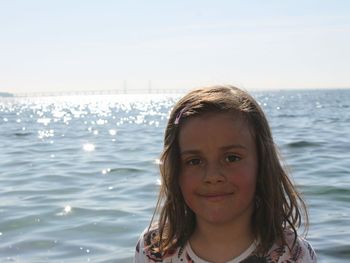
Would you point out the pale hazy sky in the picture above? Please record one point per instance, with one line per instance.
(62, 45)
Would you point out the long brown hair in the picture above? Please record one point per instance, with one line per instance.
(278, 204)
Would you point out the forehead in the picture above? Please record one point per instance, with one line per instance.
(217, 129)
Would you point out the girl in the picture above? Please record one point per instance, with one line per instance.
(224, 195)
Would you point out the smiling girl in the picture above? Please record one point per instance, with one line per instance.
(224, 197)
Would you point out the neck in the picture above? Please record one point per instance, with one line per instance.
(218, 234)
(221, 242)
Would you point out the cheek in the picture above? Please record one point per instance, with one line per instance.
(246, 180)
(187, 185)
(183, 184)
(251, 186)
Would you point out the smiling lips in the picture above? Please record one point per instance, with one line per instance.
(216, 196)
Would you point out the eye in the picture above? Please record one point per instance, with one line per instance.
(232, 158)
(194, 161)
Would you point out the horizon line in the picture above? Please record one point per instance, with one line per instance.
(139, 91)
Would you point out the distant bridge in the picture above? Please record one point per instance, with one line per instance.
(99, 92)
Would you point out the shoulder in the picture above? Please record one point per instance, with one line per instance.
(147, 250)
(299, 252)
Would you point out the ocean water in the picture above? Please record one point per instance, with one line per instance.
(79, 175)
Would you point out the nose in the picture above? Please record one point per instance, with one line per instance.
(214, 174)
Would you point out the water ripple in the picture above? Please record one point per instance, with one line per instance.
(79, 176)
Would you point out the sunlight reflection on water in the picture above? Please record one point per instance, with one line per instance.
(79, 175)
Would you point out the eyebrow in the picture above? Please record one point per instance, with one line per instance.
(234, 146)
(223, 148)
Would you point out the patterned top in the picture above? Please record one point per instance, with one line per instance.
(302, 252)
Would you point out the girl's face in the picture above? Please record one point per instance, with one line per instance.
(218, 168)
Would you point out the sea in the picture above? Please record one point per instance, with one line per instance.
(79, 174)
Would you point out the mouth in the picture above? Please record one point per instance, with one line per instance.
(216, 196)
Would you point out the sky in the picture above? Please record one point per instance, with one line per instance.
(83, 45)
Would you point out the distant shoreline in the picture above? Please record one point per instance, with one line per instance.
(139, 91)
(6, 94)
(95, 92)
